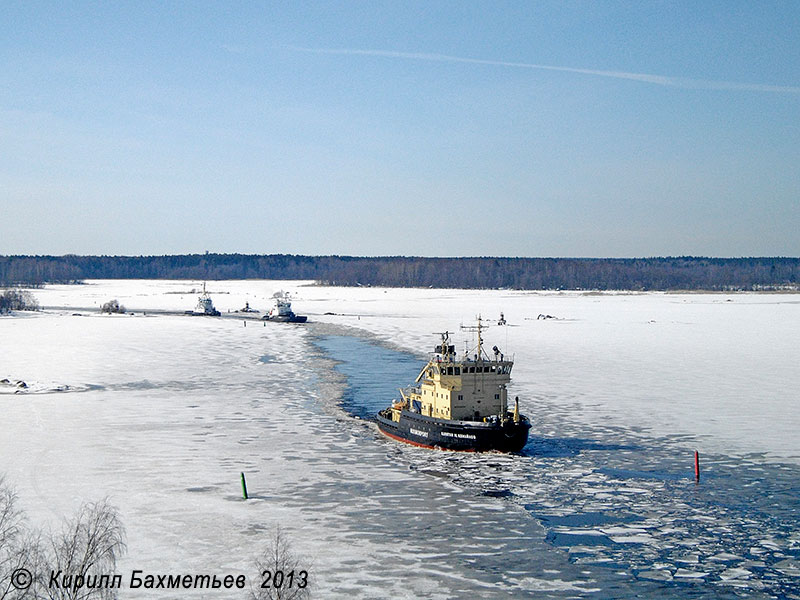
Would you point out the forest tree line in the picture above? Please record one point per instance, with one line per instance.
(669, 273)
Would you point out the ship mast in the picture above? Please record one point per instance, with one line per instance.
(478, 329)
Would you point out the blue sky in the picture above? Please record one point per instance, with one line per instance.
(383, 128)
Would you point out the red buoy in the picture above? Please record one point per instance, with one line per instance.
(696, 466)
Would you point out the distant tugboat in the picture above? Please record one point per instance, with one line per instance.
(282, 310)
(459, 404)
(204, 305)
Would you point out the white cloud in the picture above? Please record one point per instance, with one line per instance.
(679, 82)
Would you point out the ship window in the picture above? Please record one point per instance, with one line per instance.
(472, 369)
(461, 396)
(497, 396)
(449, 370)
(485, 369)
(457, 370)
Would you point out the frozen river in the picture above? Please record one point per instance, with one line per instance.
(161, 413)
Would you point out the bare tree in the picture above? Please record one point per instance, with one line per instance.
(87, 548)
(282, 575)
(10, 527)
(71, 565)
(19, 550)
(17, 300)
(113, 306)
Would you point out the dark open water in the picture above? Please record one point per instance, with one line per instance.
(618, 507)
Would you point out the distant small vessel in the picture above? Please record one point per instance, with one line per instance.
(247, 308)
(459, 403)
(282, 310)
(204, 305)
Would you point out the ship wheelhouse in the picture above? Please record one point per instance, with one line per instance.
(467, 390)
(470, 388)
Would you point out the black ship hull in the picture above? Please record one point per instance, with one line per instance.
(293, 318)
(213, 313)
(469, 436)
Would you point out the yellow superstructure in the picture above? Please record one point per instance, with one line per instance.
(471, 388)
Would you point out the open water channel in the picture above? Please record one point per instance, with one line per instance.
(604, 511)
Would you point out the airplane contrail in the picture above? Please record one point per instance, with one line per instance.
(679, 82)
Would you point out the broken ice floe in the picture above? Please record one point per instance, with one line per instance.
(623, 500)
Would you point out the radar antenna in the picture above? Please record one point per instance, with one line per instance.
(445, 346)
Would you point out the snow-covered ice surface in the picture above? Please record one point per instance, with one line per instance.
(161, 413)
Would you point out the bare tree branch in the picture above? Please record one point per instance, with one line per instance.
(19, 548)
(88, 546)
(275, 565)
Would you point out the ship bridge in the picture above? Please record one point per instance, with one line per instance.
(469, 388)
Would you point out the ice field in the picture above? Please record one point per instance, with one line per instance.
(161, 412)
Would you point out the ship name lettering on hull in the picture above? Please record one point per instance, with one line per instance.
(466, 436)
